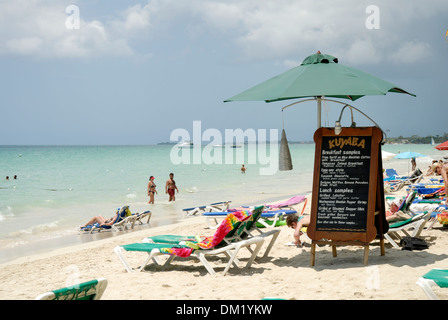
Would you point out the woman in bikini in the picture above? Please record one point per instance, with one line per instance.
(151, 189)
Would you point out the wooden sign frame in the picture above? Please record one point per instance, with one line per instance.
(348, 194)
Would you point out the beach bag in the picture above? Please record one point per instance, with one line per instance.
(412, 243)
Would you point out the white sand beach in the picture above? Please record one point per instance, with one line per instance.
(286, 273)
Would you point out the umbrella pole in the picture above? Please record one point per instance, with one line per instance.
(319, 111)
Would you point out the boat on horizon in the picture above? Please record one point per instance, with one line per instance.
(186, 144)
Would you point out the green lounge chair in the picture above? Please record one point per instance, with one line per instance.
(90, 290)
(157, 249)
(435, 277)
(219, 243)
(417, 223)
(242, 232)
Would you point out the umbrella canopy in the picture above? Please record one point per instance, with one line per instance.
(442, 146)
(318, 75)
(409, 155)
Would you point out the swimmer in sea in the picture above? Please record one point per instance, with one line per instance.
(151, 189)
(170, 186)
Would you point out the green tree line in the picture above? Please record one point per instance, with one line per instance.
(419, 140)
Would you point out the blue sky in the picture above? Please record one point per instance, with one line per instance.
(136, 70)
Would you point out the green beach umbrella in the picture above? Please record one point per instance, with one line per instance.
(319, 76)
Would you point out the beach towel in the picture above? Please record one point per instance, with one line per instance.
(226, 226)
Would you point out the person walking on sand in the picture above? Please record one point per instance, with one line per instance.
(243, 169)
(151, 189)
(170, 186)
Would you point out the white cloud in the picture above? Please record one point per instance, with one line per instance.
(363, 52)
(39, 30)
(255, 29)
(411, 52)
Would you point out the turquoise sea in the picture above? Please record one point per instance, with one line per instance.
(59, 188)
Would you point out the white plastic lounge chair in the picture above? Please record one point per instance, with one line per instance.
(143, 215)
(118, 224)
(223, 241)
(90, 290)
(434, 278)
(213, 207)
(288, 203)
(244, 231)
(267, 219)
(129, 221)
(154, 250)
(417, 223)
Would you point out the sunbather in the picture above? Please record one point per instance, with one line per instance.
(297, 223)
(444, 173)
(102, 221)
(394, 214)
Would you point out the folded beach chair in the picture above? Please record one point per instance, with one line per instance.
(434, 278)
(213, 245)
(90, 290)
(216, 206)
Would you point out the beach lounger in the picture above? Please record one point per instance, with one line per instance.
(417, 224)
(216, 207)
(242, 232)
(156, 249)
(140, 216)
(288, 203)
(247, 230)
(129, 221)
(434, 278)
(213, 245)
(267, 219)
(178, 239)
(90, 290)
(118, 224)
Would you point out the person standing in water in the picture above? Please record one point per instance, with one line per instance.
(170, 187)
(151, 189)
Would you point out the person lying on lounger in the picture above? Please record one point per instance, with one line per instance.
(102, 221)
(394, 214)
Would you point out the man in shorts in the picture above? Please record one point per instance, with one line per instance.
(170, 187)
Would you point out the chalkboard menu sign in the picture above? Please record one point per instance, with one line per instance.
(345, 184)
